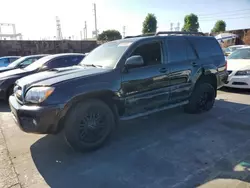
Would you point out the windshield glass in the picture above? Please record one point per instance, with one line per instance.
(243, 53)
(17, 62)
(37, 64)
(106, 55)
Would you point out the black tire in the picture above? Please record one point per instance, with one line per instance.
(202, 99)
(83, 120)
(9, 93)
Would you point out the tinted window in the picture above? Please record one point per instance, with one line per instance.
(64, 62)
(179, 50)
(243, 53)
(29, 61)
(206, 46)
(13, 59)
(4, 61)
(151, 53)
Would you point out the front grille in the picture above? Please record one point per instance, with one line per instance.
(239, 83)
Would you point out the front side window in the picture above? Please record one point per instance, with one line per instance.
(151, 53)
(240, 54)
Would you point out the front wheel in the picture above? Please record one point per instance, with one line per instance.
(202, 99)
(88, 125)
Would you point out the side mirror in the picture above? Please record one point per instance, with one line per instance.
(43, 68)
(134, 61)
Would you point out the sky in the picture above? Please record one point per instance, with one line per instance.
(37, 19)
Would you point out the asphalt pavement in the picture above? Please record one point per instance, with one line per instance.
(167, 149)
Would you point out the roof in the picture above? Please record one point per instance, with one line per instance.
(65, 54)
(10, 57)
(37, 55)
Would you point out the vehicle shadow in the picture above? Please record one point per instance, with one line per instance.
(155, 151)
(235, 90)
(4, 107)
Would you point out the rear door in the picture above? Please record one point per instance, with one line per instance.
(183, 64)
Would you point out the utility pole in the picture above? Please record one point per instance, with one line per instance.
(96, 31)
(171, 26)
(59, 30)
(85, 30)
(124, 31)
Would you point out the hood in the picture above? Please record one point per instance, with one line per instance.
(238, 64)
(15, 72)
(3, 69)
(58, 75)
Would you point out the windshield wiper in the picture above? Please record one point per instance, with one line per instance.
(91, 65)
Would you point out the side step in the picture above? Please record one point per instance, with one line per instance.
(124, 118)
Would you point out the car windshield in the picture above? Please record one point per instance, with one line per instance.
(17, 62)
(106, 55)
(37, 64)
(243, 53)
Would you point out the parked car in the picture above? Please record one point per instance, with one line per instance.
(239, 69)
(121, 80)
(5, 61)
(229, 50)
(7, 79)
(22, 62)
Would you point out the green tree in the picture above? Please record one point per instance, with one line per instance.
(109, 35)
(191, 23)
(219, 26)
(150, 24)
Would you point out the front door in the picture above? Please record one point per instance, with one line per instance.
(145, 88)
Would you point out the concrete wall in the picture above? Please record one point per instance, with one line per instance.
(12, 47)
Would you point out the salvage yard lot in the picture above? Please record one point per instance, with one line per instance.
(167, 149)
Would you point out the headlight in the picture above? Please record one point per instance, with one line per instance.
(38, 94)
(243, 72)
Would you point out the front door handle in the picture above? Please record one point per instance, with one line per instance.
(194, 64)
(163, 70)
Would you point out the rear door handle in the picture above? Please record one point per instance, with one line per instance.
(163, 70)
(194, 64)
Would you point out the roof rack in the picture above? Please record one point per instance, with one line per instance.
(179, 33)
(143, 35)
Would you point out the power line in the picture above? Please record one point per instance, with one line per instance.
(226, 18)
(231, 14)
(224, 12)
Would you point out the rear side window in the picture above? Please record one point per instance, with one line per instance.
(206, 47)
(179, 50)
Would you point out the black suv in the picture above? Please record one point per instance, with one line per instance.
(121, 80)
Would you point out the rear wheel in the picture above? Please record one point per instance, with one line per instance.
(202, 99)
(88, 125)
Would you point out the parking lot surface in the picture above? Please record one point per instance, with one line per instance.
(167, 149)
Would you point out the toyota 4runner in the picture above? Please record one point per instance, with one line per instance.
(121, 80)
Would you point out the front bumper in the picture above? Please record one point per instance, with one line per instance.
(35, 119)
(238, 81)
